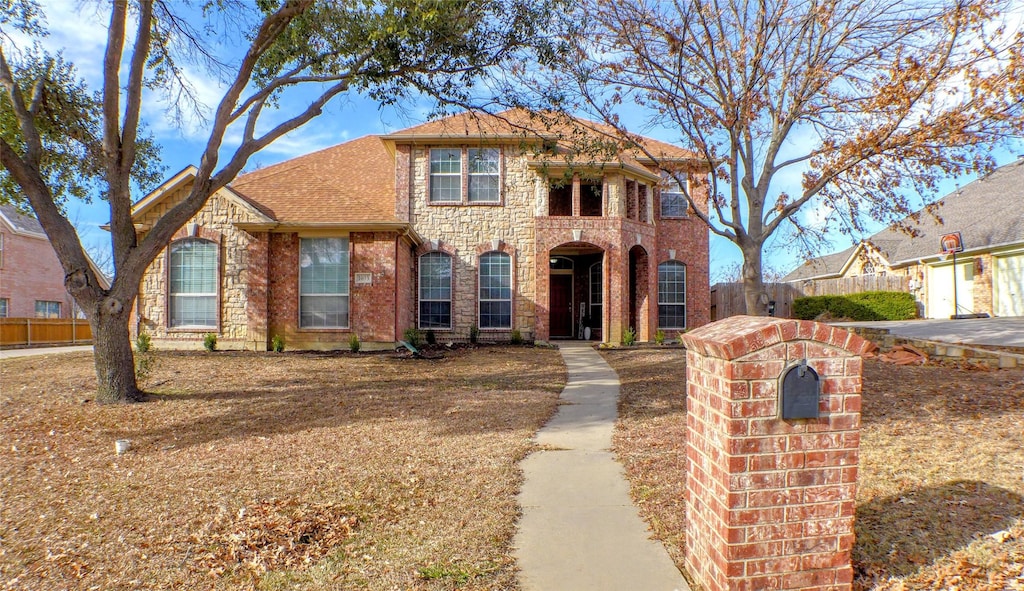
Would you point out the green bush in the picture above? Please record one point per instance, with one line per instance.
(869, 305)
(659, 337)
(517, 337)
(143, 343)
(629, 337)
(210, 341)
(413, 336)
(277, 343)
(353, 343)
(474, 334)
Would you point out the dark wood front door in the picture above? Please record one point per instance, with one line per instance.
(561, 306)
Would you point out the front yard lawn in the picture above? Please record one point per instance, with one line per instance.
(270, 471)
(940, 501)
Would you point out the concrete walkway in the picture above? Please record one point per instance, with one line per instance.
(579, 529)
(30, 352)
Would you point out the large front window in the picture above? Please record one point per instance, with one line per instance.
(446, 175)
(323, 283)
(672, 295)
(193, 284)
(435, 290)
(495, 290)
(483, 175)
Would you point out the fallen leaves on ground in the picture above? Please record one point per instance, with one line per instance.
(396, 464)
(940, 501)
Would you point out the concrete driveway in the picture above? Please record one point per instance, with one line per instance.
(12, 353)
(1003, 332)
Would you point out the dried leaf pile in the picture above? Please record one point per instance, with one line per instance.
(270, 471)
(940, 501)
(277, 534)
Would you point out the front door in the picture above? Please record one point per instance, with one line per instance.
(561, 306)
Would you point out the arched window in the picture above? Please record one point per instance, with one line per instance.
(672, 295)
(495, 290)
(193, 284)
(435, 290)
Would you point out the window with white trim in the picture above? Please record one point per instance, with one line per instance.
(484, 180)
(323, 283)
(192, 281)
(672, 295)
(4, 303)
(495, 290)
(446, 175)
(435, 290)
(673, 201)
(47, 309)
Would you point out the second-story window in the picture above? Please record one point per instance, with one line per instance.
(445, 175)
(484, 186)
(673, 201)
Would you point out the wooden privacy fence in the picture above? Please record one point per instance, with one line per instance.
(29, 332)
(727, 298)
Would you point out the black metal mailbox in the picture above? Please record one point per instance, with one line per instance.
(799, 391)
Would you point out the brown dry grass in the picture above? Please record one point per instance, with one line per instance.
(941, 490)
(317, 471)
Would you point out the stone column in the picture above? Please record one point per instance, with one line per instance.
(770, 500)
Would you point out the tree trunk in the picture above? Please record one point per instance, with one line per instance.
(754, 294)
(112, 349)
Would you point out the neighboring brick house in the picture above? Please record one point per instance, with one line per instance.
(989, 274)
(467, 222)
(31, 277)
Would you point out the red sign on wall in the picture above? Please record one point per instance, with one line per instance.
(951, 243)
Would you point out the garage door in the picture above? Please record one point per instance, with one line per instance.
(940, 289)
(1009, 285)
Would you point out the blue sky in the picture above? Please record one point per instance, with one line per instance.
(79, 29)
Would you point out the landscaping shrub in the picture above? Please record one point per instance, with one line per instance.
(431, 338)
(659, 337)
(629, 337)
(353, 343)
(517, 337)
(143, 343)
(869, 305)
(277, 343)
(210, 341)
(474, 334)
(413, 336)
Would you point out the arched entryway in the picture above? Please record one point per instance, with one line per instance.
(576, 291)
(638, 291)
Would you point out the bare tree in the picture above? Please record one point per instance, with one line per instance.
(864, 99)
(386, 50)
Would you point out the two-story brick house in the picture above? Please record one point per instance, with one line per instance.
(31, 277)
(466, 223)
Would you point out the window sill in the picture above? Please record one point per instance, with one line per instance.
(192, 329)
(324, 329)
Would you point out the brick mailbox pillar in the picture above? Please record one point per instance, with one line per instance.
(773, 431)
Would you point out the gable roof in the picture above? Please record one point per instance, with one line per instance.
(21, 223)
(988, 213)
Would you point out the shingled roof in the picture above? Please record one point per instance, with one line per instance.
(20, 222)
(988, 213)
(521, 123)
(353, 182)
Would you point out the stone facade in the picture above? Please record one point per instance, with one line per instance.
(620, 234)
(216, 223)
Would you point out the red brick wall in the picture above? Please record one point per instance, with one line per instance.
(372, 308)
(770, 502)
(405, 312)
(30, 271)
